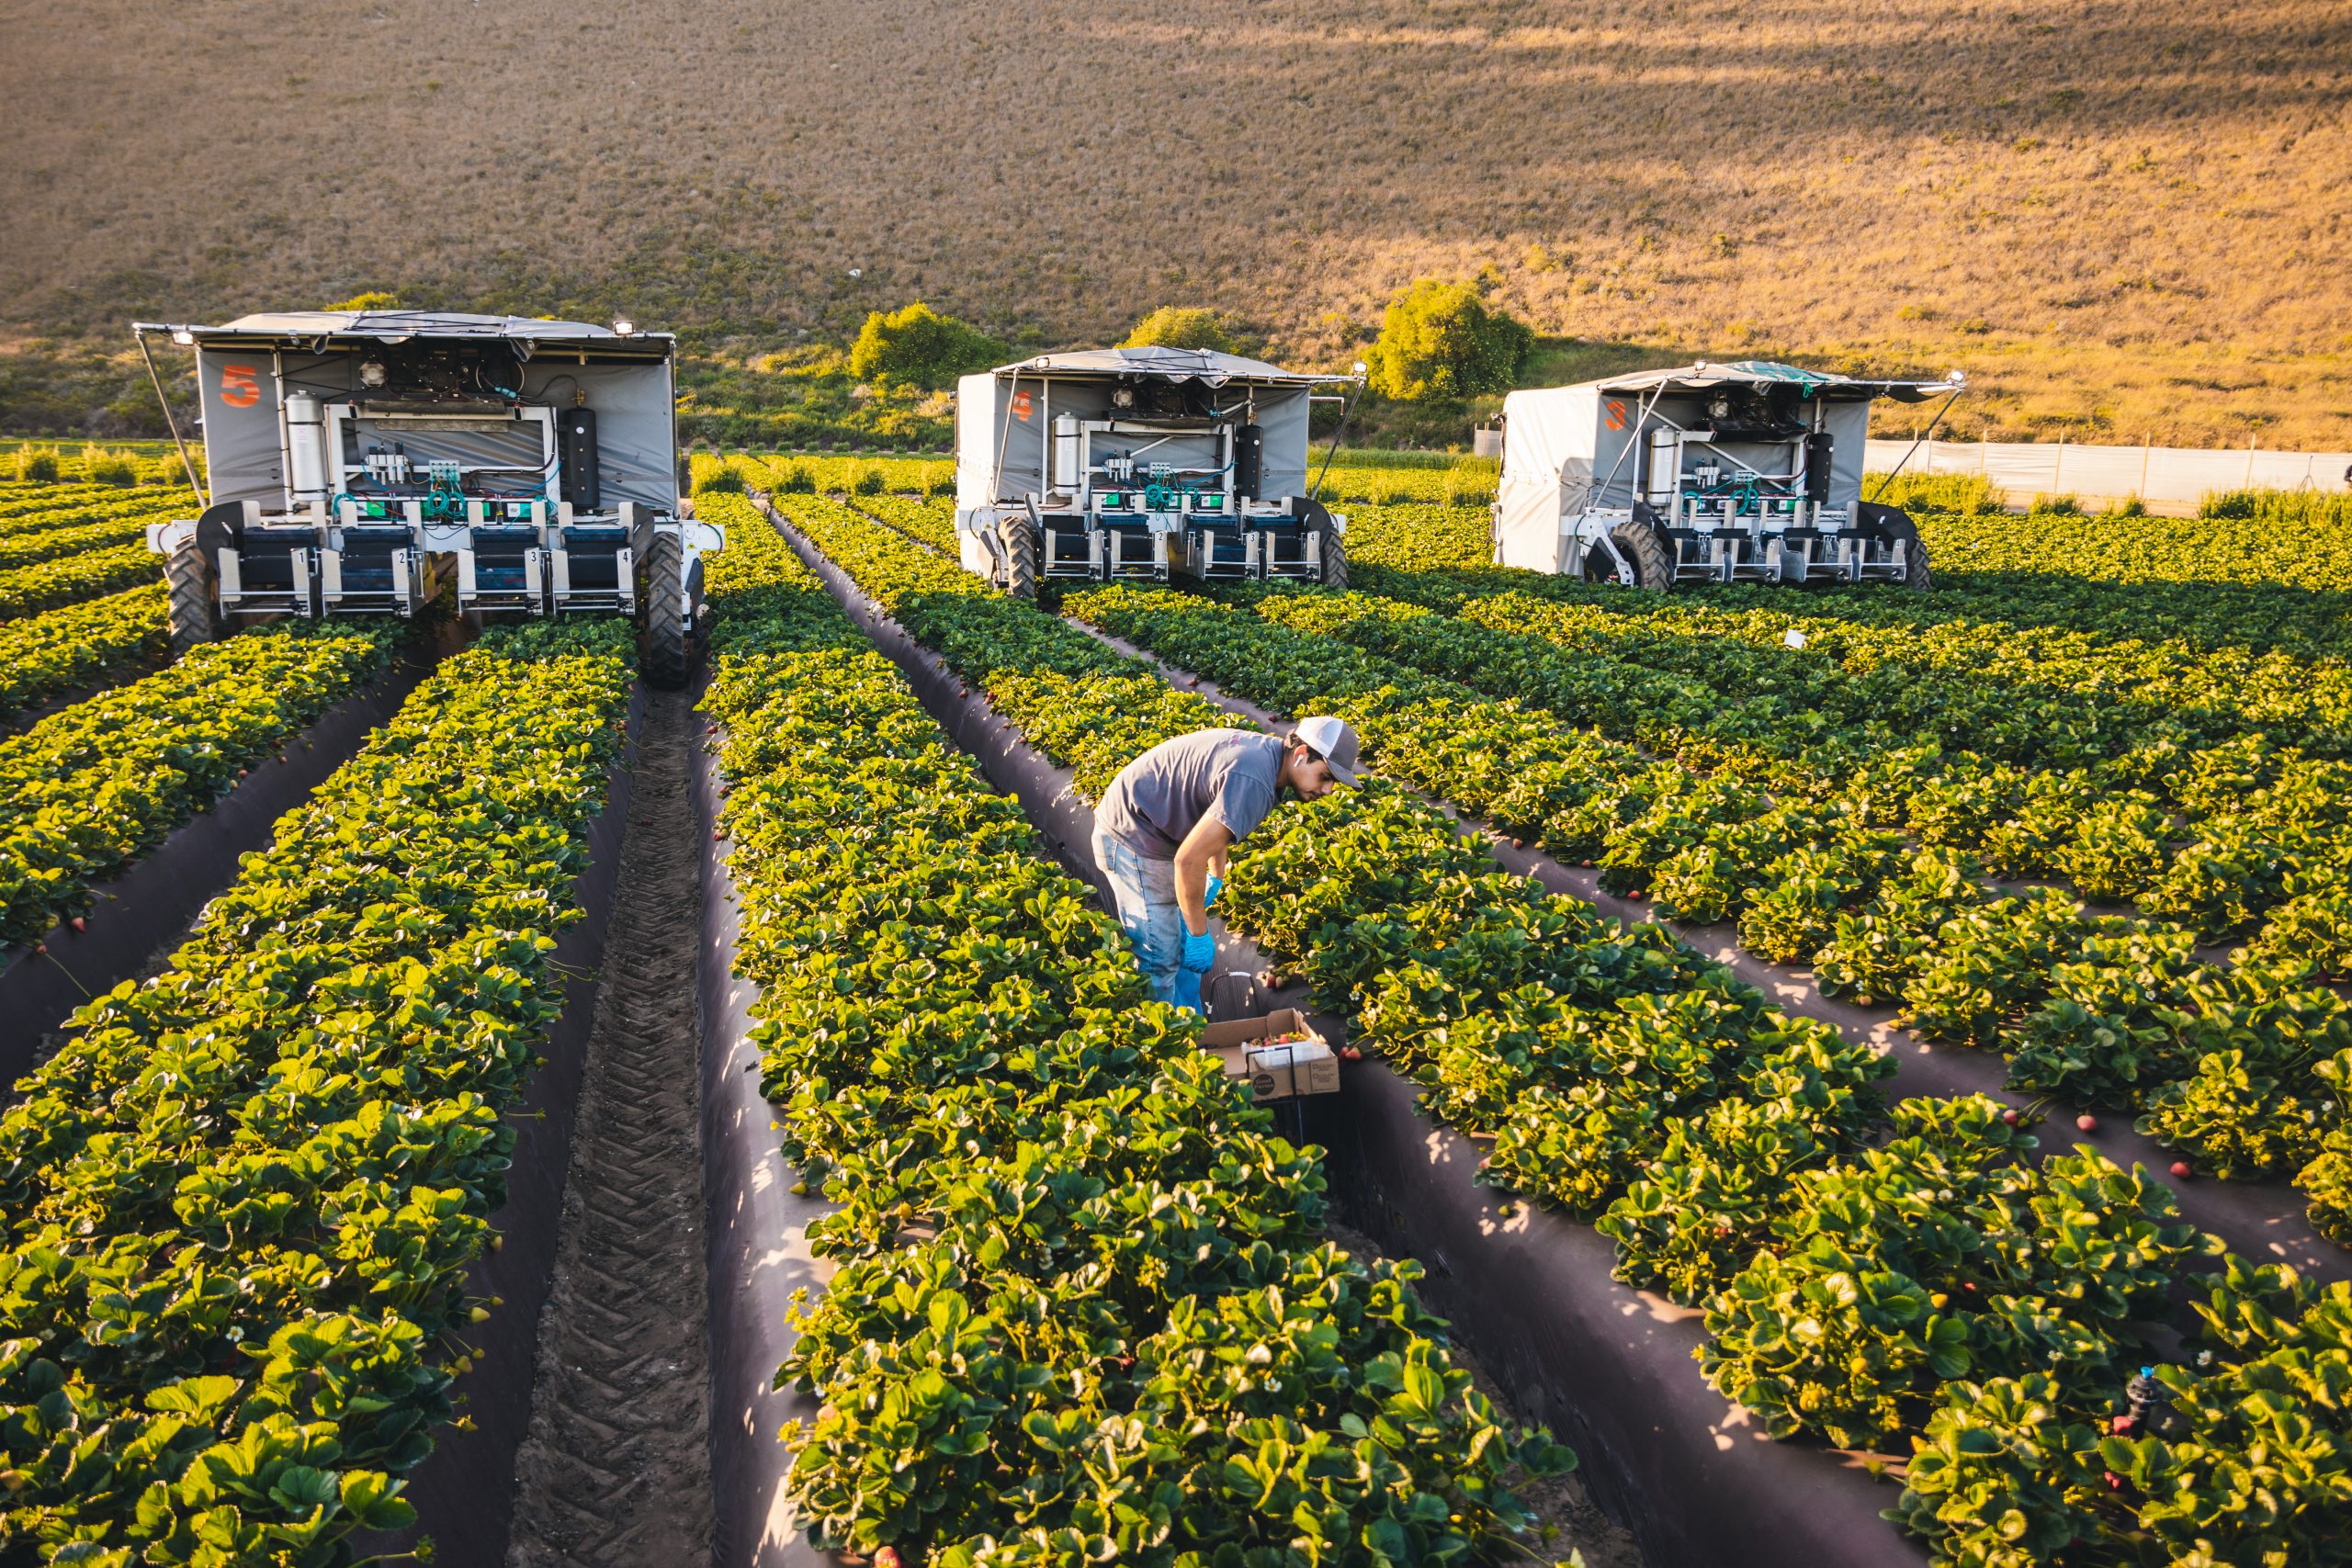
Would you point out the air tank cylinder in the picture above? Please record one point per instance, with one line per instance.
(1065, 475)
(306, 450)
(1665, 466)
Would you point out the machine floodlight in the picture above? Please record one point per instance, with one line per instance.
(624, 327)
(183, 337)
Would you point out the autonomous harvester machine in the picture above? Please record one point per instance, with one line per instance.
(1121, 465)
(360, 462)
(1742, 472)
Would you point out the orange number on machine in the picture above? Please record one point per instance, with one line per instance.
(240, 386)
(1616, 415)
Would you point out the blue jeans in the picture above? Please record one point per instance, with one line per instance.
(1146, 892)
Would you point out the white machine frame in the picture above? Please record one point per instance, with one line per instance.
(1099, 506)
(320, 516)
(1719, 514)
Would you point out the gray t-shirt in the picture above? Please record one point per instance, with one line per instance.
(1158, 799)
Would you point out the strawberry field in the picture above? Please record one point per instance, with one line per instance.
(1932, 1007)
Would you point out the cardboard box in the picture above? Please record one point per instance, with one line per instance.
(1274, 1072)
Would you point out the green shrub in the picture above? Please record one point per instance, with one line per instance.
(798, 478)
(101, 467)
(37, 465)
(1179, 326)
(869, 481)
(921, 347)
(1439, 340)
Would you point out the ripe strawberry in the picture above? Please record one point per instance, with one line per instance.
(2010, 1116)
(886, 1557)
(2122, 1424)
(2182, 1170)
(2087, 1122)
(79, 923)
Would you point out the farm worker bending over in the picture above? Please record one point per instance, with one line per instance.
(1165, 824)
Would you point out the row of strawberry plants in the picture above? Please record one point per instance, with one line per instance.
(1419, 536)
(241, 1201)
(48, 510)
(47, 656)
(2265, 618)
(2243, 1066)
(45, 585)
(17, 496)
(1081, 1306)
(88, 790)
(929, 522)
(2238, 830)
(1723, 1145)
(24, 549)
(2098, 698)
(1861, 1280)
(2138, 1015)
(2108, 718)
(2293, 537)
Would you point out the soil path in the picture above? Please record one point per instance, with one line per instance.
(1561, 1502)
(617, 1469)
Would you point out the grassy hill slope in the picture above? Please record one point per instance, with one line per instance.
(2125, 219)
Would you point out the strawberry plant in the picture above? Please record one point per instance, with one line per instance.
(239, 1202)
(1736, 1156)
(47, 656)
(68, 579)
(88, 790)
(1081, 1299)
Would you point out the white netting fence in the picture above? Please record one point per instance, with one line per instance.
(2168, 479)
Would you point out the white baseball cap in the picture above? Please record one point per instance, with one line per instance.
(1334, 740)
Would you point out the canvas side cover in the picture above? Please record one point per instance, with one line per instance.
(238, 390)
(1848, 425)
(1547, 453)
(1289, 463)
(636, 445)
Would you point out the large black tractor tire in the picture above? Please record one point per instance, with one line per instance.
(1653, 566)
(1893, 525)
(1334, 552)
(668, 660)
(195, 613)
(1020, 542)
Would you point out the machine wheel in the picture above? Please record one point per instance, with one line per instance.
(1020, 542)
(194, 615)
(666, 662)
(1893, 524)
(1334, 552)
(1652, 567)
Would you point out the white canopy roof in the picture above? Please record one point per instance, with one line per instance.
(1201, 365)
(400, 326)
(1764, 372)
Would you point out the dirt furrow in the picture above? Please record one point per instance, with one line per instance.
(617, 1469)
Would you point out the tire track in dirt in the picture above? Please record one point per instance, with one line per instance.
(616, 1468)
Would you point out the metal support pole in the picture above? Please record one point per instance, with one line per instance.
(1315, 491)
(1930, 435)
(156, 380)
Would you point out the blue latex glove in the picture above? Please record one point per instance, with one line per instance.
(1217, 885)
(1188, 991)
(1200, 951)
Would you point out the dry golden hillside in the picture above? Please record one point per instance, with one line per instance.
(2129, 217)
